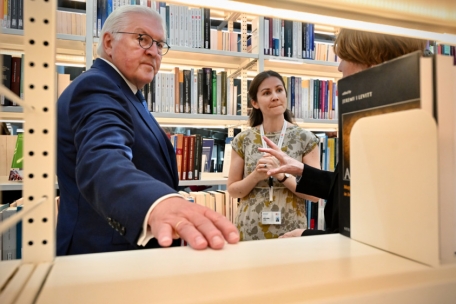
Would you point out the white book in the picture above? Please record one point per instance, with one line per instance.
(218, 201)
(294, 40)
(266, 36)
(299, 38)
(182, 25)
(171, 92)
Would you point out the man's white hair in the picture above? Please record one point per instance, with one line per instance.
(118, 20)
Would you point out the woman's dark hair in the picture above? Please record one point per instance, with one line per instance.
(256, 117)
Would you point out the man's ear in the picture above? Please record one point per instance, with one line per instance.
(107, 43)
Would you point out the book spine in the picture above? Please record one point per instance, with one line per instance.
(191, 157)
(6, 78)
(185, 158)
(198, 156)
(16, 76)
(223, 93)
(187, 90)
(214, 92)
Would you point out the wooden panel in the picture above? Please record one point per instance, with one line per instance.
(7, 145)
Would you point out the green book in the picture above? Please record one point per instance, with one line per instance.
(18, 159)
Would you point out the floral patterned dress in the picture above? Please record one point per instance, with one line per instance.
(297, 143)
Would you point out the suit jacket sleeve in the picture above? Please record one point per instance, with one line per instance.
(114, 154)
(322, 184)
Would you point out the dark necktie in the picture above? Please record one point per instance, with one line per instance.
(141, 98)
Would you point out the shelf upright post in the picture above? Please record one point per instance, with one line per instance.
(244, 92)
(243, 33)
(40, 131)
(261, 42)
(90, 32)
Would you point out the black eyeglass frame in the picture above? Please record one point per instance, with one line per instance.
(165, 45)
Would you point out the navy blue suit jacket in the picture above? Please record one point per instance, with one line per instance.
(113, 162)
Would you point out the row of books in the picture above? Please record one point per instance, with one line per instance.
(12, 14)
(315, 215)
(187, 27)
(220, 201)
(203, 92)
(329, 151)
(311, 98)
(71, 23)
(286, 38)
(193, 155)
(11, 239)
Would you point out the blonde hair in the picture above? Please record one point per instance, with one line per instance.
(372, 48)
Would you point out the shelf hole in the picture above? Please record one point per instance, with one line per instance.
(45, 65)
(45, 219)
(46, 43)
(45, 153)
(30, 220)
(31, 153)
(45, 131)
(32, 64)
(44, 242)
(31, 41)
(46, 21)
(45, 109)
(31, 86)
(45, 87)
(31, 131)
(30, 198)
(32, 19)
(30, 243)
(45, 175)
(31, 175)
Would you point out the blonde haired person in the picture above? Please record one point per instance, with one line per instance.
(358, 51)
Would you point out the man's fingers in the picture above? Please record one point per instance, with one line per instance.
(228, 230)
(164, 235)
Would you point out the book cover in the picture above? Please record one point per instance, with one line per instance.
(16, 173)
(198, 156)
(185, 152)
(191, 157)
(389, 87)
(9, 240)
(6, 78)
(208, 146)
(188, 77)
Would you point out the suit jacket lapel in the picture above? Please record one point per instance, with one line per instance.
(153, 125)
(148, 119)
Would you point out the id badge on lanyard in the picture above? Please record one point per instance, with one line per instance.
(272, 217)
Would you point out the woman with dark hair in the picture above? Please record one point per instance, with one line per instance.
(269, 206)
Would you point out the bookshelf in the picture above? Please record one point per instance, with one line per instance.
(328, 268)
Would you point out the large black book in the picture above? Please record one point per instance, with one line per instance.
(207, 90)
(6, 78)
(187, 90)
(389, 87)
(288, 37)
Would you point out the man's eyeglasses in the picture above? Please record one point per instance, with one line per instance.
(146, 42)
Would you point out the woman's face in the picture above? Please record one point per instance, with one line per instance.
(349, 68)
(271, 97)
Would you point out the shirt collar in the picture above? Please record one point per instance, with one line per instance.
(133, 88)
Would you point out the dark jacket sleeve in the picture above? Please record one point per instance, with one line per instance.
(322, 184)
